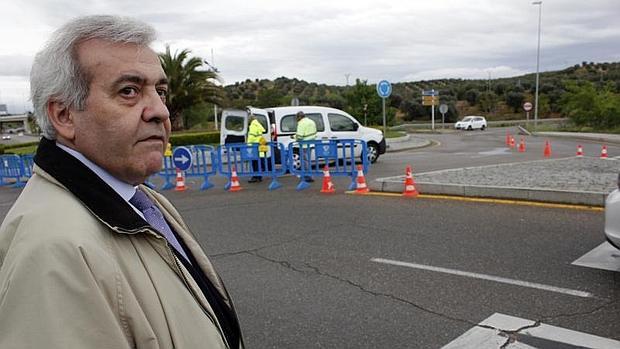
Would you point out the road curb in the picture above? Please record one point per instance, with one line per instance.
(530, 194)
(593, 138)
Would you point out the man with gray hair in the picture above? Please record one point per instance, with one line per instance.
(89, 256)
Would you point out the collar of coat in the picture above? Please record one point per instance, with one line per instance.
(89, 188)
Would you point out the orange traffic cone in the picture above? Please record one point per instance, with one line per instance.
(547, 151)
(180, 181)
(512, 142)
(361, 188)
(604, 152)
(507, 139)
(579, 151)
(410, 189)
(234, 181)
(522, 146)
(328, 186)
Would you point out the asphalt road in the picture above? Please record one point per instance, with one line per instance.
(299, 267)
(302, 268)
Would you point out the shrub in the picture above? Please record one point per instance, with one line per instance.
(195, 138)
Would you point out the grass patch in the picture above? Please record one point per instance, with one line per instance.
(28, 149)
(395, 134)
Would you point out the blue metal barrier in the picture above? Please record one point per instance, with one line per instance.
(11, 167)
(168, 172)
(307, 158)
(28, 160)
(204, 165)
(240, 156)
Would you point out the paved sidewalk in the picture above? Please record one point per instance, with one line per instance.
(573, 180)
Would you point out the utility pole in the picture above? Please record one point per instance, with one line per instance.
(347, 77)
(539, 3)
(214, 69)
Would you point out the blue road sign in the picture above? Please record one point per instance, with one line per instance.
(384, 89)
(182, 158)
(430, 93)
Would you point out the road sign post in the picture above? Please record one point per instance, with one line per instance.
(527, 106)
(384, 89)
(431, 97)
(443, 109)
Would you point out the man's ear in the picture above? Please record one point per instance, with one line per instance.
(61, 118)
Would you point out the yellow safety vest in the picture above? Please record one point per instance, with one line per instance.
(255, 135)
(306, 130)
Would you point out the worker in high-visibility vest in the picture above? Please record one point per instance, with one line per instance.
(306, 131)
(255, 136)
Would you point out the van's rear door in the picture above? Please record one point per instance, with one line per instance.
(263, 117)
(234, 126)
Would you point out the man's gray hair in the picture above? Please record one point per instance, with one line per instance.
(56, 74)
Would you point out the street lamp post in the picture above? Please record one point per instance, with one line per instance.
(539, 3)
(215, 70)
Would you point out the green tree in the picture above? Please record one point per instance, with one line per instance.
(188, 84)
(515, 100)
(268, 98)
(472, 95)
(488, 101)
(362, 94)
(586, 105)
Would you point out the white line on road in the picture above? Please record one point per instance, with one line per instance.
(486, 277)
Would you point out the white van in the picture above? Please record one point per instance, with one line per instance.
(330, 123)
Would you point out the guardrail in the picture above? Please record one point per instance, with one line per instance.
(497, 123)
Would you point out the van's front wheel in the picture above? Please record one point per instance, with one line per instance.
(372, 152)
(296, 164)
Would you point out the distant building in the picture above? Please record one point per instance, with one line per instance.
(3, 110)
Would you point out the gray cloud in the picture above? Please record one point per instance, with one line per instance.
(15, 65)
(321, 40)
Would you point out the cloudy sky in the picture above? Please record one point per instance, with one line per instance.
(323, 41)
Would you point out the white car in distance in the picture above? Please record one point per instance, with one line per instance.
(471, 123)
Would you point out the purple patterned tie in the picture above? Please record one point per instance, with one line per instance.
(154, 217)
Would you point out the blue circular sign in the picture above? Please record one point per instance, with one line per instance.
(384, 89)
(182, 158)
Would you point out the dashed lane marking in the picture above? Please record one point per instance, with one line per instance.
(498, 279)
(503, 334)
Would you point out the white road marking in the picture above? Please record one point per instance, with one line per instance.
(552, 336)
(497, 151)
(604, 256)
(487, 277)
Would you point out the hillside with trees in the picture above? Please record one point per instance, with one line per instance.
(588, 93)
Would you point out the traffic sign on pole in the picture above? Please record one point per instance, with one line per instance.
(384, 89)
(443, 109)
(182, 158)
